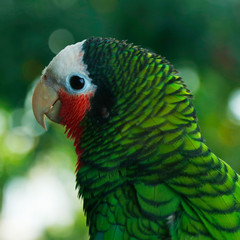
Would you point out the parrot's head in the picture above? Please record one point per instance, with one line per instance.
(64, 91)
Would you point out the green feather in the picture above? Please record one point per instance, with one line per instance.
(147, 173)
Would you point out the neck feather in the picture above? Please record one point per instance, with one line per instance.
(73, 110)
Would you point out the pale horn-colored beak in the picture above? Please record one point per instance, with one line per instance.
(45, 102)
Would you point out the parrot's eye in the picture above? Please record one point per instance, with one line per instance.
(77, 82)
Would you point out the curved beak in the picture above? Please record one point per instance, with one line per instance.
(45, 102)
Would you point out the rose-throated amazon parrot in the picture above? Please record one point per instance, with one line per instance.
(143, 169)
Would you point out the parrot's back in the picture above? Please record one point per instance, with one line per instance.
(169, 185)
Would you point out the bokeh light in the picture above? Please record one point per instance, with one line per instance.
(32, 203)
(234, 105)
(19, 140)
(190, 78)
(59, 39)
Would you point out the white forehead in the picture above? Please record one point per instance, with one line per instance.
(67, 61)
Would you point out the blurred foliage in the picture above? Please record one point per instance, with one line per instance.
(201, 38)
(75, 231)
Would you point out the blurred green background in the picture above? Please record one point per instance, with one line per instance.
(38, 200)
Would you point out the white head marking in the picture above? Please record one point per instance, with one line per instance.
(67, 61)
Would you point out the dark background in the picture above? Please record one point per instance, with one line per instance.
(200, 38)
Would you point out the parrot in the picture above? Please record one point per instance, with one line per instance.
(143, 169)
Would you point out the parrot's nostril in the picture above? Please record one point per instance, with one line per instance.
(44, 77)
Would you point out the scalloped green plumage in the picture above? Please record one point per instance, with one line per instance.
(147, 172)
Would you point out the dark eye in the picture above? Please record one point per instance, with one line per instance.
(76, 82)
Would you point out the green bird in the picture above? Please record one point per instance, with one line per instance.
(143, 168)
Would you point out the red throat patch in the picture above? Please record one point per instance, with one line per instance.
(73, 110)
